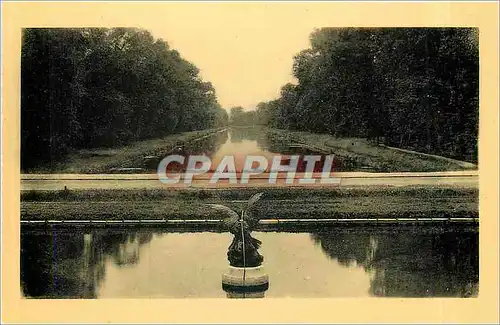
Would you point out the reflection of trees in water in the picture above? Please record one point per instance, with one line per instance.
(267, 141)
(409, 264)
(282, 145)
(346, 248)
(239, 134)
(207, 146)
(69, 265)
(41, 275)
(124, 247)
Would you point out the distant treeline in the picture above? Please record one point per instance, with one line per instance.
(412, 88)
(99, 87)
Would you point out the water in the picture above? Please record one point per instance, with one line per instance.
(333, 263)
(240, 143)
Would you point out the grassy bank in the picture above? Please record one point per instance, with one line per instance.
(361, 152)
(103, 160)
(375, 202)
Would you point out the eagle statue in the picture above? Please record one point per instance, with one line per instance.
(243, 250)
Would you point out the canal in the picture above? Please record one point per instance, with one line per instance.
(403, 261)
(357, 262)
(240, 143)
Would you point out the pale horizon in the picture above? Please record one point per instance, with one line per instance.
(246, 63)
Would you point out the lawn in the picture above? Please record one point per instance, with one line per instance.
(365, 155)
(372, 202)
(104, 160)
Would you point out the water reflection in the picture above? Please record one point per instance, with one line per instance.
(72, 265)
(208, 146)
(409, 265)
(278, 144)
(129, 264)
(254, 141)
(242, 142)
(251, 134)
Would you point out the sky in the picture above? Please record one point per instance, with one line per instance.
(245, 49)
(246, 53)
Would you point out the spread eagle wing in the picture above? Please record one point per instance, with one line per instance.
(230, 218)
(254, 199)
(251, 214)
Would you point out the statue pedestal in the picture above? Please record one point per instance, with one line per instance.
(248, 282)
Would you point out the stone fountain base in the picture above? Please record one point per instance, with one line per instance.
(249, 282)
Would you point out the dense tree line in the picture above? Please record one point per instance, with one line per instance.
(413, 88)
(240, 117)
(95, 87)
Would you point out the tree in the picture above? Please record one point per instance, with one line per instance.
(93, 87)
(414, 88)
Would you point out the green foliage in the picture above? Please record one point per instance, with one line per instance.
(414, 88)
(96, 87)
(238, 117)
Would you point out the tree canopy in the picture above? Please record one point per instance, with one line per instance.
(414, 88)
(100, 87)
